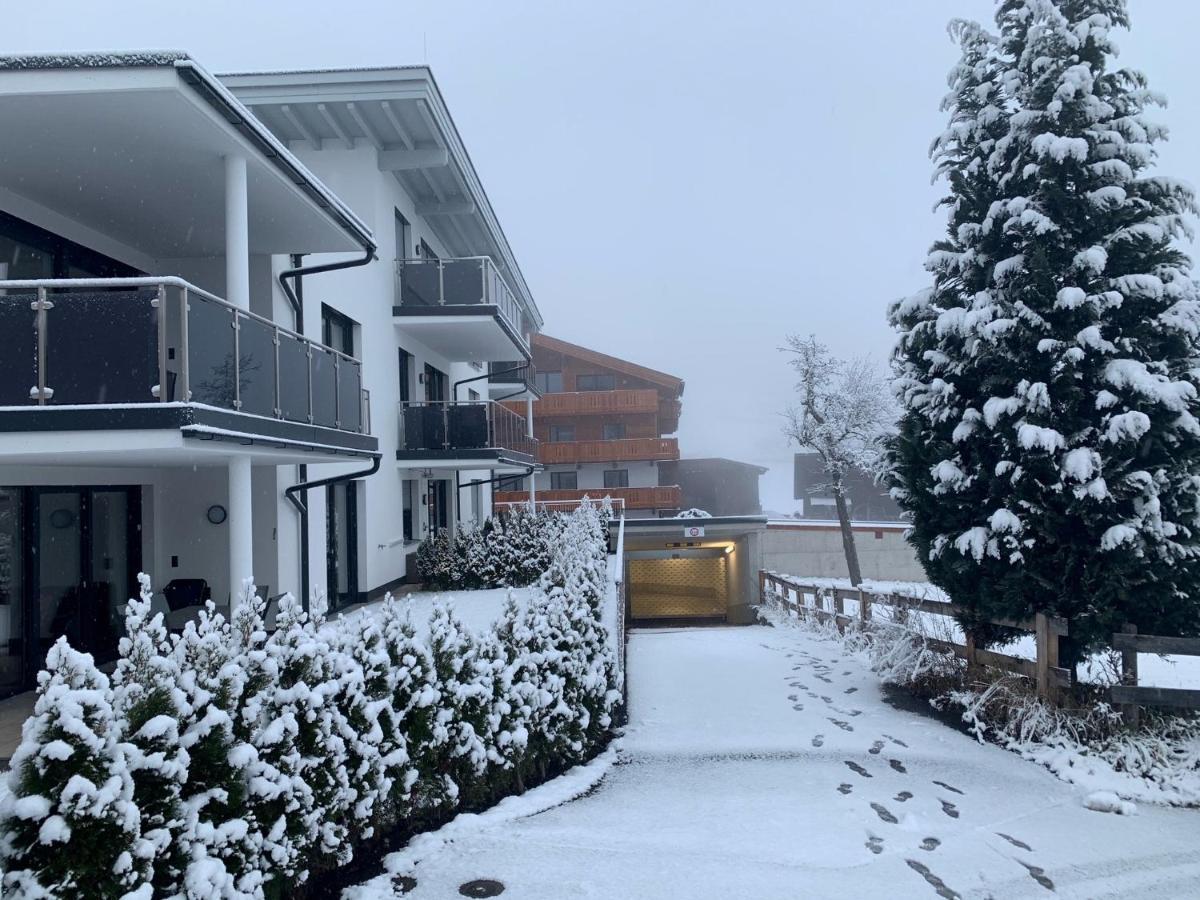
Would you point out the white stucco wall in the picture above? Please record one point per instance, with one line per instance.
(816, 550)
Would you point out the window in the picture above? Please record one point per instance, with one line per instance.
(548, 382)
(407, 486)
(512, 483)
(564, 481)
(405, 376)
(616, 478)
(403, 236)
(614, 431)
(595, 382)
(427, 251)
(337, 331)
(560, 433)
(28, 252)
(437, 385)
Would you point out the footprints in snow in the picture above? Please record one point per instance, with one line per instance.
(949, 808)
(857, 769)
(936, 883)
(903, 796)
(898, 766)
(845, 788)
(818, 740)
(896, 741)
(883, 813)
(875, 844)
(850, 690)
(930, 844)
(876, 748)
(950, 788)
(845, 726)
(1012, 840)
(1038, 874)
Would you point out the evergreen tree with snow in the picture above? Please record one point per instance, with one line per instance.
(465, 703)
(222, 841)
(149, 706)
(69, 822)
(1049, 452)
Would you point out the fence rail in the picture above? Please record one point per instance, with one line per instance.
(827, 604)
(1128, 694)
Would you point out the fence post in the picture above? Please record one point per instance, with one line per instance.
(864, 607)
(839, 609)
(762, 587)
(1130, 712)
(1047, 656)
(970, 644)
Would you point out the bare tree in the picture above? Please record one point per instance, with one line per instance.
(845, 409)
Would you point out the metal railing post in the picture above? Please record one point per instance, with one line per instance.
(237, 362)
(337, 391)
(441, 283)
(160, 303)
(309, 355)
(278, 388)
(185, 349)
(483, 283)
(445, 424)
(41, 305)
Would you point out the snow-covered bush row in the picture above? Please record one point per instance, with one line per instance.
(229, 762)
(1158, 763)
(510, 550)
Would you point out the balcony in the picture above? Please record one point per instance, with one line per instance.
(512, 380)
(628, 450)
(475, 434)
(588, 403)
(663, 497)
(146, 353)
(460, 308)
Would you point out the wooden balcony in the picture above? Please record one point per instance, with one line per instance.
(627, 450)
(593, 403)
(663, 497)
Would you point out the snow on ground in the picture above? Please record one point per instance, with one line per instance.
(764, 763)
(1153, 670)
(478, 610)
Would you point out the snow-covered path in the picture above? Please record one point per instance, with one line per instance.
(763, 763)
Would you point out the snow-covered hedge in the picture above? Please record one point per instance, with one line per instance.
(229, 762)
(511, 550)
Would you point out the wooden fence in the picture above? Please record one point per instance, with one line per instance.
(828, 604)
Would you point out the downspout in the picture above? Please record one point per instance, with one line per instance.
(298, 271)
(301, 504)
(528, 473)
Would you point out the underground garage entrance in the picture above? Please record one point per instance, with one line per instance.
(692, 571)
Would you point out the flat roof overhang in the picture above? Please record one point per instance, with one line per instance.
(135, 153)
(474, 333)
(719, 531)
(494, 459)
(167, 434)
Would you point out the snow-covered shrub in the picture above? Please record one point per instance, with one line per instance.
(71, 828)
(149, 706)
(694, 513)
(232, 763)
(511, 550)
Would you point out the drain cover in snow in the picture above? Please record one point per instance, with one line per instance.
(482, 887)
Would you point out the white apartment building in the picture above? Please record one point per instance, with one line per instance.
(249, 325)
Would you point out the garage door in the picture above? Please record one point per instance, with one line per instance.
(687, 587)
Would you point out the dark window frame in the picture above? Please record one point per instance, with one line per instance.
(556, 479)
(595, 381)
(624, 473)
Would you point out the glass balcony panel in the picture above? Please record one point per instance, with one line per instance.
(468, 426)
(420, 282)
(293, 379)
(350, 400)
(256, 366)
(212, 371)
(324, 388)
(18, 348)
(102, 346)
(462, 281)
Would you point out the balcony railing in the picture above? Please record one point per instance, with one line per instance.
(464, 281)
(663, 497)
(627, 450)
(463, 425)
(108, 341)
(517, 372)
(583, 403)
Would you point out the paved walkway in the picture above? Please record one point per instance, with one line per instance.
(763, 763)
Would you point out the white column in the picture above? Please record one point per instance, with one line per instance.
(529, 432)
(241, 527)
(237, 233)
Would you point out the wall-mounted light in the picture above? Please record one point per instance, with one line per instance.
(729, 549)
(216, 514)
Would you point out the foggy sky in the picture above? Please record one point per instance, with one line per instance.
(683, 183)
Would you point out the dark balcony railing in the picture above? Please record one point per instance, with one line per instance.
(463, 425)
(517, 372)
(107, 341)
(466, 281)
